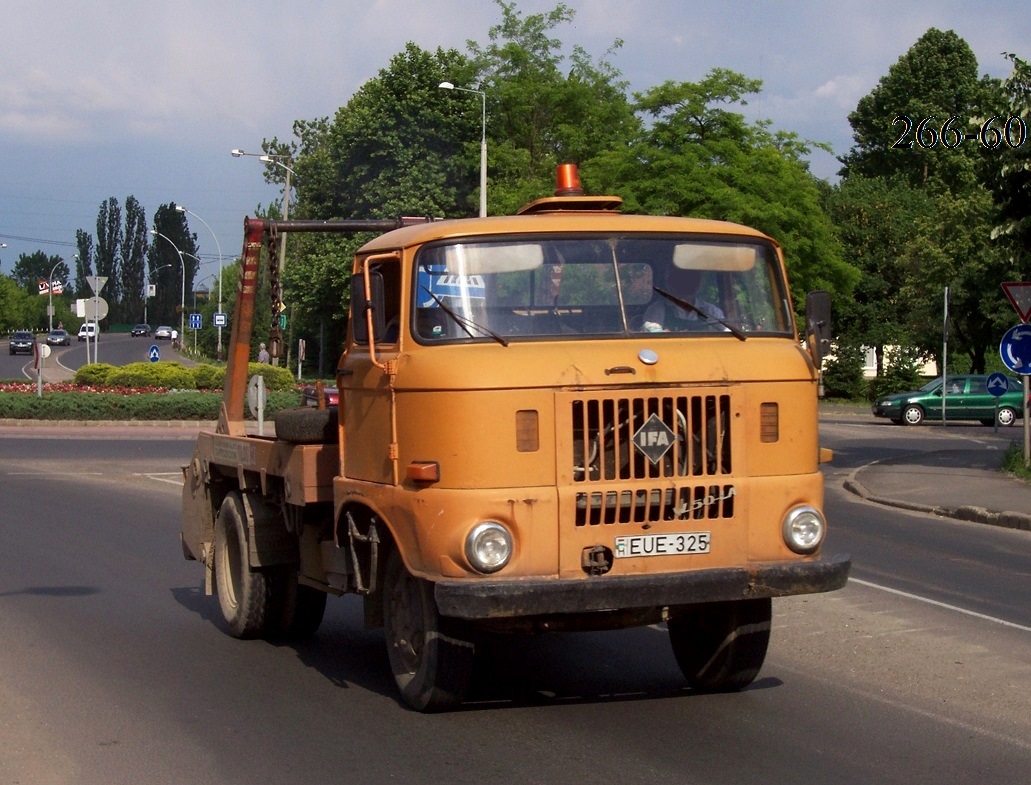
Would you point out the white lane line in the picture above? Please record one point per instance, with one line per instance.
(172, 478)
(945, 605)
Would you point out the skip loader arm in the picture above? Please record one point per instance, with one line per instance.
(257, 231)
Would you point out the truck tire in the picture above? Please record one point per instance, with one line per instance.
(243, 594)
(303, 607)
(306, 425)
(720, 646)
(429, 656)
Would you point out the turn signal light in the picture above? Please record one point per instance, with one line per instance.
(423, 471)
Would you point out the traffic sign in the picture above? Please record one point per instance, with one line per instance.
(96, 282)
(1015, 349)
(195, 321)
(154, 354)
(92, 309)
(997, 384)
(220, 320)
(282, 321)
(1019, 293)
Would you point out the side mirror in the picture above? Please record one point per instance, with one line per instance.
(818, 324)
(362, 302)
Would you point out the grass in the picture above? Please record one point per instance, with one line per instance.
(1014, 464)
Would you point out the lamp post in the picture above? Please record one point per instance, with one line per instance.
(483, 142)
(277, 159)
(50, 293)
(182, 301)
(147, 296)
(182, 209)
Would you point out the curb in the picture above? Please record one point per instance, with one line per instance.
(1007, 520)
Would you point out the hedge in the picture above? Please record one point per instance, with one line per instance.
(85, 405)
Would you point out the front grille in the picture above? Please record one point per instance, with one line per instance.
(654, 505)
(697, 442)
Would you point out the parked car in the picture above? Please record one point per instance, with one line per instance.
(967, 398)
(163, 332)
(89, 330)
(59, 337)
(22, 341)
(310, 395)
(140, 329)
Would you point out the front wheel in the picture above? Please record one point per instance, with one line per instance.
(720, 646)
(431, 659)
(913, 415)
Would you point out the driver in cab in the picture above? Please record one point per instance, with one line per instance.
(665, 315)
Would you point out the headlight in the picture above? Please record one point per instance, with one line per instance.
(804, 529)
(488, 547)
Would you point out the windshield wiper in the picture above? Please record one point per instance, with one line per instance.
(695, 309)
(463, 322)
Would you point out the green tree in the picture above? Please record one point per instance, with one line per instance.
(30, 269)
(953, 246)
(698, 157)
(1010, 179)
(133, 255)
(83, 262)
(875, 218)
(109, 247)
(935, 80)
(541, 112)
(171, 265)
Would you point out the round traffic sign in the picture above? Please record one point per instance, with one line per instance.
(1015, 349)
(997, 384)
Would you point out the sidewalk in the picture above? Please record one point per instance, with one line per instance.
(956, 483)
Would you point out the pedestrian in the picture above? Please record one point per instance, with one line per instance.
(262, 353)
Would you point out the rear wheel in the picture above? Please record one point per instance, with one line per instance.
(720, 646)
(243, 594)
(429, 655)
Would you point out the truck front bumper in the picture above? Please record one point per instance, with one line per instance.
(523, 597)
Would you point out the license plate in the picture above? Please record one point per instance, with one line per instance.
(665, 544)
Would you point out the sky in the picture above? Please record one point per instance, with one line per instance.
(148, 98)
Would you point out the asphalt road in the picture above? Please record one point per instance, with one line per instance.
(114, 668)
(114, 349)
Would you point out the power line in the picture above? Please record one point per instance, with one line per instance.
(37, 240)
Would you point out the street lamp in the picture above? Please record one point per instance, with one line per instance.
(182, 301)
(483, 142)
(50, 290)
(146, 298)
(182, 209)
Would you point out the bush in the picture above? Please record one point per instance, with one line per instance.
(171, 375)
(276, 378)
(843, 374)
(209, 377)
(93, 375)
(900, 373)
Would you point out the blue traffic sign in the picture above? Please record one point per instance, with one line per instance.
(195, 321)
(997, 384)
(220, 320)
(154, 353)
(1015, 349)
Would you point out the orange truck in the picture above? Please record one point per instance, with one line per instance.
(569, 418)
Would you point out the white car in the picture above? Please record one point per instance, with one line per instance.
(163, 332)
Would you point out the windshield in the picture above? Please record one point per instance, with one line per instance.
(605, 286)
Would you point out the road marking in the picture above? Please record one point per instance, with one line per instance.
(172, 478)
(945, 605)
